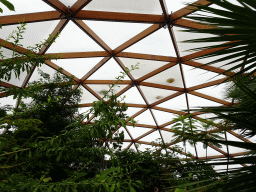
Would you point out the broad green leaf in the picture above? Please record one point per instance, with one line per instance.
(180, 190)
(8, 4)
(79, 175)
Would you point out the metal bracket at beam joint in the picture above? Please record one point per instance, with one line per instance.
(67, 16)
(168, 22)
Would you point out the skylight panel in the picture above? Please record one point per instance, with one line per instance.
(177, 103)
(79, 66)
(133, 96)
(109, 71)
(145, 66)
(169, 77)
(22, 8)
(163, 117)
(34, 32)
(145, 118)
(154, 94)
(158, 43)
(115, 34)
(126, 6)
(73, 39)
(137, 131)
(196, 76)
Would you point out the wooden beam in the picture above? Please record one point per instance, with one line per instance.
(56, 67)
(116, 16)
(91, 91)
(146, 57)
(202, 52)
(93, 35)
(95, 68)
(7, 85)
(166, 99)
(29, 18)
(159, 70)
(143, 125)
(8, 45)
(191, 24)
(160, 86)
(210, 98)
(137, 38)
(238, 136)
(188, 9)
(223, 156)
(204, 85)
(120, 63)
(79, 5)
(168, 110)
(80, 54)
(123, 90)
(164, 9)
(62, 23)
(145, 134)
(56, 4)
(136, 105)
(106, 82)
(206, 67)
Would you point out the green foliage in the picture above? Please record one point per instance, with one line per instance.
(22, 59)
(7, 4)
(233, 26)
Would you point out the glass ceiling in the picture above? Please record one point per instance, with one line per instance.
(99, 38)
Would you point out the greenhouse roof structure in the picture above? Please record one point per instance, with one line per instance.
(100, 38)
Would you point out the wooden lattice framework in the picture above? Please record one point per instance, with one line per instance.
(76, 14)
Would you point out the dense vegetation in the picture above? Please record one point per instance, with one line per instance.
(45, 147)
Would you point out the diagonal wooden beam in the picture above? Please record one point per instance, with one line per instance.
(204, 85)
(62, 23)
(207, 67)
(8, 45)
(91, 91)
(93, 35)
(201, 53)
(116, 16)
(160, 86)
(95, 68)
(159, 70)
(146, 56)
(144, 135)
(168, 110)
(7, 85)
(166, 99)
(188, 9)
(79, 5)
(210, 98)
(164, 9)
(80, 54)
(120, 63)
(29, 18)
(191, 24)
(56, 4)
(137, 38)
(106, 82)
(56, 67)
(238, 136)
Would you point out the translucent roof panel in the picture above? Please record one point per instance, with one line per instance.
(130, 6)
(158, 43)
(66, 42)
(20, 8)
(115, 33)
(78, 67)
(34, 32)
